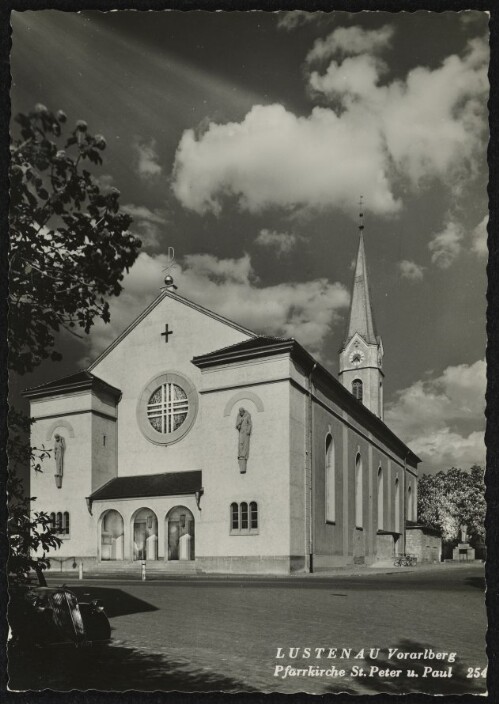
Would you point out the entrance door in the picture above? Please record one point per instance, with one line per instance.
(139, 539)
(173, 538)
(180, 532)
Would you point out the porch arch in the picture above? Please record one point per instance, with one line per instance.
(111, 535)
(179, 534)
(144, 534)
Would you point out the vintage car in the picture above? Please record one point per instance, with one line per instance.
(43, 616)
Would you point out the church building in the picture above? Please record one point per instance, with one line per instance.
(195, 444)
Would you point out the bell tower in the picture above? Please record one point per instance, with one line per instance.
(361, 356)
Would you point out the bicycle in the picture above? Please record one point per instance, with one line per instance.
(406, 560)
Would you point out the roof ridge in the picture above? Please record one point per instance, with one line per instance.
(62, 378)
(254, 339)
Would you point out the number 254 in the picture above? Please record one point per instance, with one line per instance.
(476, 672)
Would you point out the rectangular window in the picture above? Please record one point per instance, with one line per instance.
(244, 518)
(60, 523)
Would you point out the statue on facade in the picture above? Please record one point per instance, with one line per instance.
(59, 450)
(244, 426)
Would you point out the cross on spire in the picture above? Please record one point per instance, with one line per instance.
(361, 214)
(166, 333)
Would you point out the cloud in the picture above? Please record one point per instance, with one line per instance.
(348, 41)
(443, 449)
(147, 158)
(410, 270)
(432, 122)
(442, 418)
(356, 78)
(376, 138)
(296, 18)
(147, 224)
(274, 157)
(304, 310)
(446, 245)
(479, 238)
(282, 242)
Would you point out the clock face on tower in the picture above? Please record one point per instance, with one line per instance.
(356, 357)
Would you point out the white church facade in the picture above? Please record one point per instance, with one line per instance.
(194, 444)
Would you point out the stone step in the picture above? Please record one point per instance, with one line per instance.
(151, 565)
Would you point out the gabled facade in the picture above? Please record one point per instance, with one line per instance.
(194, 444)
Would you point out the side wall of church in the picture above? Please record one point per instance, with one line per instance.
(262, 388)
(342, 532)
(104, 445)
(72, 417)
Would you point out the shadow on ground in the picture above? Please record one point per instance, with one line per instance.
(116, 601)
(111, 668)
(478, 582)
(458, 683)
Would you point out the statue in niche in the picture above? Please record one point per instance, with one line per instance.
(244, 426)
(59, 450)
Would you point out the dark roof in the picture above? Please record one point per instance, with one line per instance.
(147, 485)
(267, 346)
(248, 349)
(75, 382)
(428, 530)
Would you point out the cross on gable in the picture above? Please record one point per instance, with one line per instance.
(166, 333)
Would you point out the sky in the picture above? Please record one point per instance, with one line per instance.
(244, 140)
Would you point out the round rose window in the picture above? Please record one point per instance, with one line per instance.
(167, 408)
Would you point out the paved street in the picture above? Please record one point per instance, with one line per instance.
(201, 634)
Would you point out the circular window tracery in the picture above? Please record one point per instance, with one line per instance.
(167, 408)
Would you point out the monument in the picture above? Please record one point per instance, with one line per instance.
(463, 550)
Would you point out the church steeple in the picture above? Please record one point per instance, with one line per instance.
(361, 356)
(361, 317)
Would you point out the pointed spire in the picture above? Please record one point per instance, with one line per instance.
(361, 317)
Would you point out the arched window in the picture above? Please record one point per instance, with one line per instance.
(409, 504)
(397, 505)
(357, 389)
(253, 515)
(66, 523)
(330, 481)
(52, 520)
(234, 516)
(58, 522)
(244, 518)
(381, 499)
(358, 492)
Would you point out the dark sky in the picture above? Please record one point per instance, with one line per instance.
(244, 141)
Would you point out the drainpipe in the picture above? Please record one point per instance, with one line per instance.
(310, 467)
(404, 504)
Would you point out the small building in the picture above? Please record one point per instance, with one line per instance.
(193, 443)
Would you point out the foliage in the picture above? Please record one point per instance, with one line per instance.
(69, 247)
(448, 500)
(69, 242)
(29, 532)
